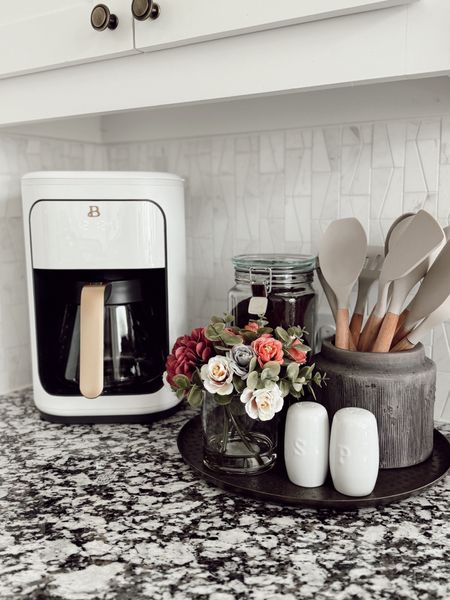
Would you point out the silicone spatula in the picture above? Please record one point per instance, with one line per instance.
(432, 293)
(422, 235)
(342, 254)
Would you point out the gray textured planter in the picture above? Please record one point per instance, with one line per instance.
(399, 388)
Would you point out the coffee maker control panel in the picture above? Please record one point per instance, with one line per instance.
(97, 234)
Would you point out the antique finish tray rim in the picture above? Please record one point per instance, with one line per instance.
(392, 485)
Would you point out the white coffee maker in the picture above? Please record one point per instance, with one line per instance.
(106, 271)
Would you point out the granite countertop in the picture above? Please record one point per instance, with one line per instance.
(111, 511)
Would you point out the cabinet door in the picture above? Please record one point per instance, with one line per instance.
(38, 35)
(181, 23)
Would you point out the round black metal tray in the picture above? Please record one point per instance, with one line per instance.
(274, 486)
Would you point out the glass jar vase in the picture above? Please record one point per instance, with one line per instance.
(285, 280)
(235, 443)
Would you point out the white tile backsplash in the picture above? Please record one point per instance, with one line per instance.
(18, 155)
(270, 192)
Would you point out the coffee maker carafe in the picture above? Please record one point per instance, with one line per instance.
(106, 276)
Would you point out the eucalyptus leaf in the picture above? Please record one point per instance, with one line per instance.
(262, 330)
(180, 394)
(269, 384)
(252, 380)
(249, 336)
(292, 371)
(231, 340)
(294, 393)
(238, 383)
(196, 379)
(273, 367)
(223, 400)
(306, 372)
(301, 347)
(265, 374)
(252, 364)
(228, 318)
(282, 334)
(216, 319)
(195, 397)
(211, 334)
(296, 331)
(284, 387)
(297, 386)
(182, 381)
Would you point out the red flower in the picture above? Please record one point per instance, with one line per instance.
(267, 348)
(299, 356)
(252, 327)
(188, 353)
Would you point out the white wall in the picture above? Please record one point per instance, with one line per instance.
(18, 155)
(255, 186)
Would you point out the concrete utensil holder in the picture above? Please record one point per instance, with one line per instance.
(398, 388)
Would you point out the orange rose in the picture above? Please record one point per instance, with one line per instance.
(299, 356)
(252, 327)
(268, 349)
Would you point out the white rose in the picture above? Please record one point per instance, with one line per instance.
(262, 404)
(217, 376)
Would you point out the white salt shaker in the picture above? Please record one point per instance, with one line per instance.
(354, 453)
(306, 440)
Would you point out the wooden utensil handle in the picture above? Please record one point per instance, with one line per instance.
(355, 326)
(369, 333)
(342, 339)
(403, 344)
(401, 331)
(386, 333)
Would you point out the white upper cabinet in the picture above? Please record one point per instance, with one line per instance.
(180, 22)
(36, 35)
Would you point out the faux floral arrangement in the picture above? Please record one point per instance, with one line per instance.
(252, 368)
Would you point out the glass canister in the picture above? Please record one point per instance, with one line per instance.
(278, 285)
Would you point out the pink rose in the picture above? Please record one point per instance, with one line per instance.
(267, 348)
(299, 356)
(252, 327)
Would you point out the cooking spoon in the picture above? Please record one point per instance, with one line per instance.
(438, 316)
(331, 297)
(432, 293)
(400, 290)
(342, 254)
(422, 235)
(402, 328)
(396, 228)
(366, 279)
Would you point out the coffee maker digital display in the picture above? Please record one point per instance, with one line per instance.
(106, 280)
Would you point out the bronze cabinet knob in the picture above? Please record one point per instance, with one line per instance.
(144, 9)
(101, 18)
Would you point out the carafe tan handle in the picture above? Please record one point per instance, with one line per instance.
(91, 339)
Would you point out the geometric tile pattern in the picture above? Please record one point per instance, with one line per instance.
(19, 155)
(277, 191)
(273, 191)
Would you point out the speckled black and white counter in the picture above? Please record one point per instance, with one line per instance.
(111, 511)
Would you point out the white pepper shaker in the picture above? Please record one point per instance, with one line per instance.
(306, 441)
(354, 452)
